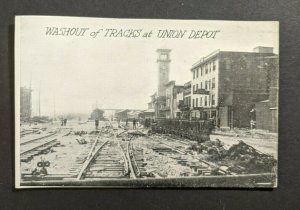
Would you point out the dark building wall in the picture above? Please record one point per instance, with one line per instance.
(122, 115)
(25, 104)
(263, 115)
(243, 81)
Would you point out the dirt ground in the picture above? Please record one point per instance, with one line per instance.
(263, 141)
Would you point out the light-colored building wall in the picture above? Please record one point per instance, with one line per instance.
(197, 80)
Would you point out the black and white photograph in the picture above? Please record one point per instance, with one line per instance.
(145, 103)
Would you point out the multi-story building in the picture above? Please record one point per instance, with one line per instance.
(163, 61)
(171, 95)
(226, 85)
(179, 102)
(185, 105)
(266, 112)
(150, 112)
(25, 104)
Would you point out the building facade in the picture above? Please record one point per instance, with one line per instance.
(226, 85)
(171, 99)
(267, 111)
(185, 106)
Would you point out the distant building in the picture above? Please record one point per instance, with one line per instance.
(150, 112)
(97, 114)
(128, 114)
(178, 103)
(171, 95)
(226, 85)
(25, 104)
(163, 61)
(185, 107)
(122, 115)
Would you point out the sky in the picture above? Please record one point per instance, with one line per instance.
(73, 73)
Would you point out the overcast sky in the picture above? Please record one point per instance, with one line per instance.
(119, 72)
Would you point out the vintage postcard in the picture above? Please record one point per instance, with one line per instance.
(104, 102)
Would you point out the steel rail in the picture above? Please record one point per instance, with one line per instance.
(88, 162)
(130, 163)
(34, 148)
(33, 140)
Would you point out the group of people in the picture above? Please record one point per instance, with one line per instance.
(63, 122)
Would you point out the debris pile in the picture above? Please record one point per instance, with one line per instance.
(239, 158)
(214, 149)
(249, 159)
(79, 133)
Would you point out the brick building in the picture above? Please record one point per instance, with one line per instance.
(226, 85)
(267, 110)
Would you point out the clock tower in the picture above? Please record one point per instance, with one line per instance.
(163, 61)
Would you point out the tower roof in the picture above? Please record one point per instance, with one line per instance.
(164, 50)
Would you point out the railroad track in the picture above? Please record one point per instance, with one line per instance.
(39, 138)
(37, 146)
(106, 159)
(137, 162)
(181, 155)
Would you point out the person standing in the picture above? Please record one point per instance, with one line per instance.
(134, 123)
(96, 123)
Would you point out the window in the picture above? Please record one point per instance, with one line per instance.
(201, 101)
(205, 101)
(209, 84)
(209, 67)
(205, 85)
(206, 69)
(201, 85)
(193, 74)
(213, 84)
(214, 65)
(197, 73)
(212, 99)
(196, 102)
(201, 71)
(193, 102)
(197, 87)
(193, 87)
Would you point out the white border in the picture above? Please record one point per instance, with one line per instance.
(17, 100)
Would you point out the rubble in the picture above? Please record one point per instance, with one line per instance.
(249, 159)
(239, 158)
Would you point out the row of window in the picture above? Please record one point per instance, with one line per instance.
(187, 101)
(207, 85)
(204, 101)
(207, 68)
